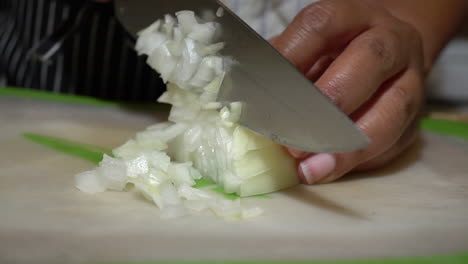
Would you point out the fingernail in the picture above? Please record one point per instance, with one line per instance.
(296, 153)
(317, 167)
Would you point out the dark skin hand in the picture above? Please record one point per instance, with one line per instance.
(370, 58)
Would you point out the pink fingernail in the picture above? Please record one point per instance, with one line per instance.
(317, 167)
(296, 153)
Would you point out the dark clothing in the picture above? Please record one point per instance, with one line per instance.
(97, 60)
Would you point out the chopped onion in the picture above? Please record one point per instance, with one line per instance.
(163, 61)
(181, 174)
(149, 39)
(163, 132)
(204, 33)
(137, 166)
(202, 138)
(113, 173)
(186, 20)
(191, 194)
(211, 49)
(168, 26)
(89, 182)
(220, 12)
(160, 160)
(227, 209)
(169, 195)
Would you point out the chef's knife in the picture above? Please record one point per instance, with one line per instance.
(279, 102)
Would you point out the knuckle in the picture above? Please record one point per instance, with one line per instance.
(406, 103)
(334, 89)
(383, 47)
(317, 18)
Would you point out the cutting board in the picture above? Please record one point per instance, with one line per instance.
(416, 206)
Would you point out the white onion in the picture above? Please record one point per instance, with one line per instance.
(152, 29)
(168, 26)
(204, 33)
(202, 138)
(181, 174)
(210, 92)
(227, 209)
(160, 160)
(186, 20)
(145, 42)
(191, 194)
(137, 166)
(212, 106)
(163, 61)
(220, 12)
(89, 182)
(128, 150)
(148, 44)
(164, 132)
(212, 49)
(169, 195)
(188, 64)
(113, 173)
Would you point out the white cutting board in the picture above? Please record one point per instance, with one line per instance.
(417, 206)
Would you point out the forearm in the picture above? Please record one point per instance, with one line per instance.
(436, 20)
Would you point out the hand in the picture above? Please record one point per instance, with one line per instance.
(370, 64)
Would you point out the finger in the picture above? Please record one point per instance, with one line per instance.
(320, 27)
(405, 141)
(390, 115)
(368, 61)
(319, 68)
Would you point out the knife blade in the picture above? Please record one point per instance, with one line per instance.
(279, 102)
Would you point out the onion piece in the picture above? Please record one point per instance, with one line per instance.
(186, 21)
(188, 193)
(137, 166)
(169, 195)
(203, 33)
(89, 182)
(188, 64)
(163, 61)
(168, 26)
(227, 209)
(220, 12)
(212, 49)
(181, 174)
(112, 173)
